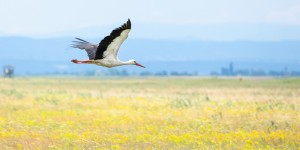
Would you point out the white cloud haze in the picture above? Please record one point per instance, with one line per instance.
(42, 17)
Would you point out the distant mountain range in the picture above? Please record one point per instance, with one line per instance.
(51, 55)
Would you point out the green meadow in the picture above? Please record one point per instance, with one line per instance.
(149, 113)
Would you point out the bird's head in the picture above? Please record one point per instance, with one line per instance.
(134, 62)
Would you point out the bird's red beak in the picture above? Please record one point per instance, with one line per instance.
(137, 64)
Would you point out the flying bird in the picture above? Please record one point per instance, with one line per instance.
(106, 53)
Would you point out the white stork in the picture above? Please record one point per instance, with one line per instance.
(106, 53)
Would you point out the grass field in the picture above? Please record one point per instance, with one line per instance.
(149, 113)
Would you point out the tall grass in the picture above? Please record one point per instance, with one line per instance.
(149, 113)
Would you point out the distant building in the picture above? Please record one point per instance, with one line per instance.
(228, 71)
(8, 71)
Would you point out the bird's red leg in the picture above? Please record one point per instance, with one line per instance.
(82, 61)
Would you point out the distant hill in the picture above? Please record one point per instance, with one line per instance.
(54, 55)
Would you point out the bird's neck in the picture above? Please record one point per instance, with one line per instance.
(129, 62)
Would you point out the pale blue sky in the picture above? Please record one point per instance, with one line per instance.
(41, 18)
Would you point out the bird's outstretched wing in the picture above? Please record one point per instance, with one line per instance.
(87, 46)
(110, 45)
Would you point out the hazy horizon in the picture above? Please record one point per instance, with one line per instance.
(260, 34)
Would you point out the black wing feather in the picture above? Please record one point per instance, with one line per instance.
(108, 39)
(81, 40)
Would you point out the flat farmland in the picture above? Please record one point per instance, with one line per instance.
(149, 113)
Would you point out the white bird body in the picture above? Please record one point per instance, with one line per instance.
(106, 53)
(109, 63)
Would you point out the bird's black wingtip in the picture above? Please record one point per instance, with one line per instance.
(80, 41)
(128, 24)
(77, 38)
